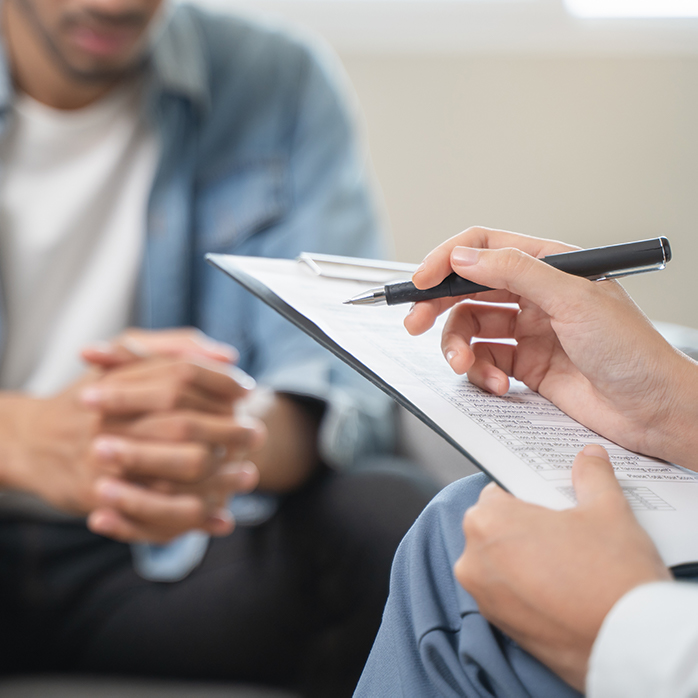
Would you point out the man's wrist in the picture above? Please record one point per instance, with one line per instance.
(12, 407)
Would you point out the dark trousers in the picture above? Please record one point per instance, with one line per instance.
(295, 602)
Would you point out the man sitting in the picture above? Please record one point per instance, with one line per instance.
(135, 137)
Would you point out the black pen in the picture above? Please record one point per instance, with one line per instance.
(596, 263)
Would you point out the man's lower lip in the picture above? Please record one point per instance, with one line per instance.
(102, 43)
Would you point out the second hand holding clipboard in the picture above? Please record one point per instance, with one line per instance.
(596, 263)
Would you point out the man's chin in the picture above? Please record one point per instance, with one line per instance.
(101, 71)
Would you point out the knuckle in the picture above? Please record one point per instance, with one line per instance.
(470, 522)
(136, 508)
(196, 511)
(516, 263)
(93, 422)
(170, 397)
(477, 522)
(129, 458)
(114, 399)
(181, 428)
(185, 371)
(197, 464)
(464, 571)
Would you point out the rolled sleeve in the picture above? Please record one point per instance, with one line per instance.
(334, 211)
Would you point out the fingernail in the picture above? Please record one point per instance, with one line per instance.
(220, 523)
(137, 348)
(420, 268)
(247, 422)
(255, 426)
(99, 523)
(108, 447)
(246, 469)
(222, 514)
(597, 451)
(92, 395)
(493, 384)
(228, 351)
(109, 490)
(101, 347)
(243, 379)
(465, 256)
(451, 355)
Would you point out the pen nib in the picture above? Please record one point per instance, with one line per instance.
(374, 297)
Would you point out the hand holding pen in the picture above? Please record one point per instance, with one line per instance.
(576, 343)
(598, 263)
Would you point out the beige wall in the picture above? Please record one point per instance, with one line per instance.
(589, 150)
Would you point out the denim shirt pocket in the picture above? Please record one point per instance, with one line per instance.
(248, 198)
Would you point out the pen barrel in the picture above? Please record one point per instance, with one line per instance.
(599, 261)
(592, 263)
(452, 285)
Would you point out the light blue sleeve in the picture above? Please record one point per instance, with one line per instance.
(333, 211)
(433, 640)
(330, 209)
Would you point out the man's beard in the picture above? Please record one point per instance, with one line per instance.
(105, 74)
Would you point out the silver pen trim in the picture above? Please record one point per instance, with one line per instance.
(376, 296)
(630, 272)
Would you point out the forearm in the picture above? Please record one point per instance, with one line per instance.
(13, 455)
(290, 454)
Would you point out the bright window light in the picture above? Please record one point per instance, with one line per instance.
(633, 8)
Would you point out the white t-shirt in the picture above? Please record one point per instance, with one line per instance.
(74, 188)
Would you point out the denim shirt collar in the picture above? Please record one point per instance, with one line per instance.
(177, 64)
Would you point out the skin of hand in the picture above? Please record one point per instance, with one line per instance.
(150, 448)
(584, 345)
(179, 342)
(287, 457)
(183, 456)
(549, 578)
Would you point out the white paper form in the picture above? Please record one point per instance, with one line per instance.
(521, 439)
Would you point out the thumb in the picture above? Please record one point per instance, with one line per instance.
(592, 475)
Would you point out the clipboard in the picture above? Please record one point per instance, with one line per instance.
(353, 269)
(520, 440)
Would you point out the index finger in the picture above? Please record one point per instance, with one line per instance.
(437, 264)
(218, 379)
(593, 476)
(136, 344)
(424, 313)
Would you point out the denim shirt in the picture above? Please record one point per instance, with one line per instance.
(258, 156)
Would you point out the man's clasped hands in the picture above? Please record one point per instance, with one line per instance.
(149, 443)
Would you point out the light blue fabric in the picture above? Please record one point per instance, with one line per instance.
(433, 641)
(258, 157)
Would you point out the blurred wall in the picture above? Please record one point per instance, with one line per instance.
(590, 150)
(512, 114)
